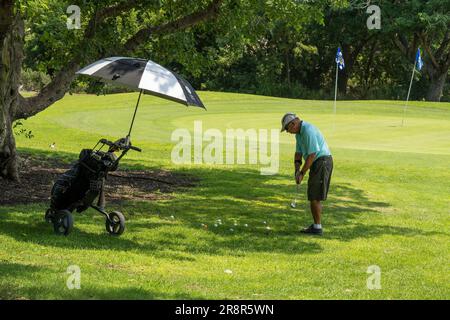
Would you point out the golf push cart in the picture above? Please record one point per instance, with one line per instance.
(77, 188)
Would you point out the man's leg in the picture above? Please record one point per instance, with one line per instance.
(316, 210)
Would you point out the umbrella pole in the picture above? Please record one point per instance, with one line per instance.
(134, 115)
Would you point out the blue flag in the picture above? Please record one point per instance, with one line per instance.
(340, 59)
(419, 61)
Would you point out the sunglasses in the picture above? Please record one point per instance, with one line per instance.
(290, 125)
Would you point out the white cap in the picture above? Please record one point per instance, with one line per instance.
(287, 118)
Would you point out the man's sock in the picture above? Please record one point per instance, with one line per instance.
(317, 226)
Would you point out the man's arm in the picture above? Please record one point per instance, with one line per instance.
(308, 163)
(297, 161)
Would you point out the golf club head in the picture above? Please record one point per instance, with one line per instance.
(294, 202)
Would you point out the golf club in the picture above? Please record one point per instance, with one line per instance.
(294, 202)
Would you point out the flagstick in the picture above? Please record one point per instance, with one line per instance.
(335, 97)
(409, 91)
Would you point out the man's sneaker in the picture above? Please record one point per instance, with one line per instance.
(312, 230)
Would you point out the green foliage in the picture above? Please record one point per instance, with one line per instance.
(276, 47)
(33, 80)
(19, 130)
(387, 206)
(286, 57)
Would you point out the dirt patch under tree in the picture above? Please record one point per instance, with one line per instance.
(37, 175)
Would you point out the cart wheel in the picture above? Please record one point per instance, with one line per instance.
(48, 215)
(117, 225)
(63, 222)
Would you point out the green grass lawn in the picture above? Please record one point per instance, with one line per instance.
(388, 206)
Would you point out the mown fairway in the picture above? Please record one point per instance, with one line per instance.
(388, 206)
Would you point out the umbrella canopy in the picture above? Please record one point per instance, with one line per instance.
(145, 75)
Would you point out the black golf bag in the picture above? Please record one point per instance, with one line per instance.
(78, 187)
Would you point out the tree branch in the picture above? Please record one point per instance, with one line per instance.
(51, 93)
(443, 47)
(425, 44)
(57, 88)
(400, 43)
(447, 62)
(182, 23)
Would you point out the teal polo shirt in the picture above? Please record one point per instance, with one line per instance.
(310, 140)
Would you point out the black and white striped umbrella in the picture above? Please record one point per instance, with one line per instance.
(145, 75)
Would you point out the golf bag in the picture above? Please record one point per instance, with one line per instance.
(78, 187)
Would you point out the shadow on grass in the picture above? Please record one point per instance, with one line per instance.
(13, 271)
(246, 198)
(167, 243)
(23, 273)
(254, 211)
(131, 293)
(39, 171)
(57, 157)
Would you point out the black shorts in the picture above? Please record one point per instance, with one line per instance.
(319, 178)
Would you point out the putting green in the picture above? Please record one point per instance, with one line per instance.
(388, 206)
(368, 125)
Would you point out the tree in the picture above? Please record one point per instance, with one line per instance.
(425, 24)
(11, 34)
(101, 35)
(263, 52)
(344, 27)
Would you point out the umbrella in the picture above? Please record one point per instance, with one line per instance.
(145, 75)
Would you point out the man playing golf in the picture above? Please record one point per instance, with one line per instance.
(314, 149)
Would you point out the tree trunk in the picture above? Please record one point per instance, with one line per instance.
(436, 88)
(11, 55)
(366, 77)
(288, 69)
(343, 80)
(14, 107)
(437, 64)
